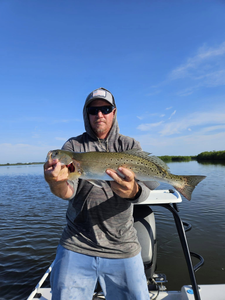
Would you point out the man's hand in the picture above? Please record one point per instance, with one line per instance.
(125, 187)
(55, 171)
(56, 175)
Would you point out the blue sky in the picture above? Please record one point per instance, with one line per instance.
(164, 61)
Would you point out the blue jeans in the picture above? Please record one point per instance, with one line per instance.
(74, 276)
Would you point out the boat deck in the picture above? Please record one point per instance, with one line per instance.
(45, 294)
(207, 292)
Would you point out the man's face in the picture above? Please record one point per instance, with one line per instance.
(101, 123)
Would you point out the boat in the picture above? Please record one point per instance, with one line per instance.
(144, 222)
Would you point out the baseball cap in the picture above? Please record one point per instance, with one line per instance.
(100, 93)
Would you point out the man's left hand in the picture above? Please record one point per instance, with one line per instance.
(125, 187)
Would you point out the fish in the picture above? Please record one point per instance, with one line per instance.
(91, 166)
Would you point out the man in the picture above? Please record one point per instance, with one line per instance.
(99, 242)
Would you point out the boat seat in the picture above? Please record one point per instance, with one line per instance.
(144, 223)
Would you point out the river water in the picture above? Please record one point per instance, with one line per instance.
(32, 219)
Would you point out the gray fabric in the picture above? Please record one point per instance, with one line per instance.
(99, 222)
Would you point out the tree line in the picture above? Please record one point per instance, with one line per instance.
(203, 156)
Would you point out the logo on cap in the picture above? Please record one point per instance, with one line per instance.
(99, 93)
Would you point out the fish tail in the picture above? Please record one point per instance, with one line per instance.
(189, 183)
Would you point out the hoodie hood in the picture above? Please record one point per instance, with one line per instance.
(102, 94)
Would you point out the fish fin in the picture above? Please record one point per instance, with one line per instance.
(151, 184)
(138, 152)
(152, 158)
(98, 183)
(73, 175)
(191, 182)
(157, 161)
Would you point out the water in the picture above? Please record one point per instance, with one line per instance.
(32, 219)
(31, 223)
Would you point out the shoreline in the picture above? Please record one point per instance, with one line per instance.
(21, 164)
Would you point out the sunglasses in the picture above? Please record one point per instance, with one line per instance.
(93, 110)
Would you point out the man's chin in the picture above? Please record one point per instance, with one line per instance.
(100, 130)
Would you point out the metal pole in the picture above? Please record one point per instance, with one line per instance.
(183, 239)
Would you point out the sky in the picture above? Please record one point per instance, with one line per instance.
(164, 62)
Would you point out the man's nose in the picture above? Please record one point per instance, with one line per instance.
(100, 114)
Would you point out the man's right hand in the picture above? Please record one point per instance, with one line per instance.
(56, 175)
(54, 171)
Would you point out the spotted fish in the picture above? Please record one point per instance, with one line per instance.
(147, 168)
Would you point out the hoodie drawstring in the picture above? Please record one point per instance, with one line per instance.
(101, 144)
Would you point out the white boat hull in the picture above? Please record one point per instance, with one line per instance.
(207, 292)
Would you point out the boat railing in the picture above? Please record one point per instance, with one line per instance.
(35, 291)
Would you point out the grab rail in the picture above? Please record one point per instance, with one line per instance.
(200, 263)
(35, 291)
(184, 244)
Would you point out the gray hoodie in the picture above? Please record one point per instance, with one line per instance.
(99, 222)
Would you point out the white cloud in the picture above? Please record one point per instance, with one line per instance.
(212, 128)
(148, 127)
(188, 91)
(173, 113)
(182, 145)
(192, 120)
(148, 115)
(205, 121)
(205, 52)
(196, 63)
(214, 78)
(205, 69)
